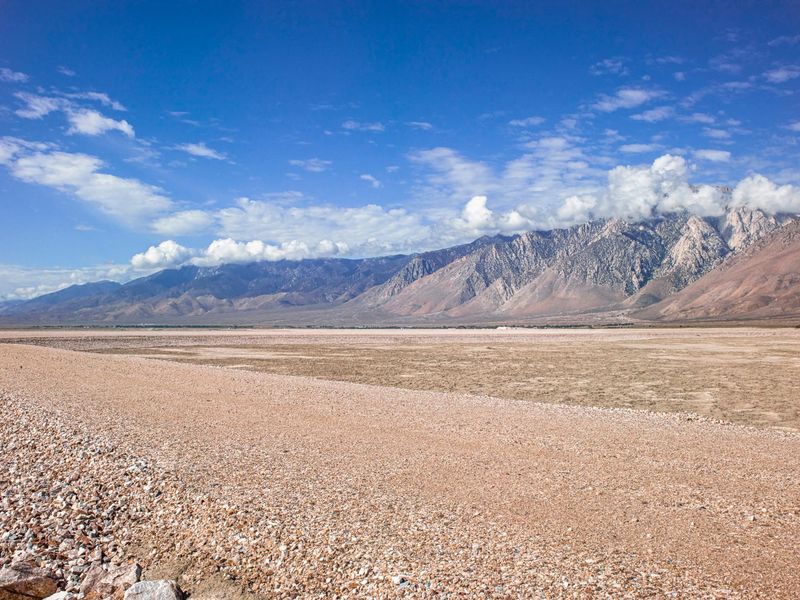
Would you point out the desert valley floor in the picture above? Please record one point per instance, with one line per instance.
(453, 463)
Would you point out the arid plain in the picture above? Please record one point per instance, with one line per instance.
(491, 463)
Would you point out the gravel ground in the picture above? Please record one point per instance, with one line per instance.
(249, 483)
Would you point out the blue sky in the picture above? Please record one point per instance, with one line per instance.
(137, 136)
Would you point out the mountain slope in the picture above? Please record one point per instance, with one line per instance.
(762, 281)
(600, 266)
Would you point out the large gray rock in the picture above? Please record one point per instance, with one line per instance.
(109, 583)
(23, 581)
(162, 589)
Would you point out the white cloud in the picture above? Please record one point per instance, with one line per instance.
(794, 126)
(717, 134)
(453, 174)
(551, 167)
(609, 66)
(370, 179)
(679, 76)
(312, 165)
(713, 155)
(201, 150)
(81, 120)
(654, 115)
(90, 122)
(626, 98)
(127, 200)
(698, 118)
(756, 191)
(424, 125)
(7, 74)
(23, 283)
(783, 74)
(666, 60)
(185, 222)
(37, 107)
(369, 229)
(166, 254)
(169, 253)
(477, 219)
(638, 148)
(526, 122)
(66, 71)
(785, 40)
(641, 192)
(230, 251)
(100, 97)
(351, 125)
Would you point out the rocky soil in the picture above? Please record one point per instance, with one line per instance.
(238, 484)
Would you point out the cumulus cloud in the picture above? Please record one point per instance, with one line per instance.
(91, 122)
(370, 180)
(7, 74)
(626, 98)
(351, 125)
(312, 165)
(478, 219)
(783, 74)
(127, 200)
(185, 222)
(713, 155)
(201, 150)
(169, 253)
(756, 191)
(640, 192)
(166, 254)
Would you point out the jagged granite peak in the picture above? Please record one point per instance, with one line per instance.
(741, 226)
(760, 282)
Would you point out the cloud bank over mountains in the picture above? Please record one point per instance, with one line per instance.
(294, 227)
(631, 192)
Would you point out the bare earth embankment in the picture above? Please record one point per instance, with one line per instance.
(290, 486)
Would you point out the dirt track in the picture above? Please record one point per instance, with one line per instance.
(320, 487)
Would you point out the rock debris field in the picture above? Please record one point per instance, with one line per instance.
(236, 484)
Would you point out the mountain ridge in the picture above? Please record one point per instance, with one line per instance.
(610, 269)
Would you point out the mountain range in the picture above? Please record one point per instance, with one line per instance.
(678, 267)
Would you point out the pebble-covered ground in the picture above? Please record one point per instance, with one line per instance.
(237, 482)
